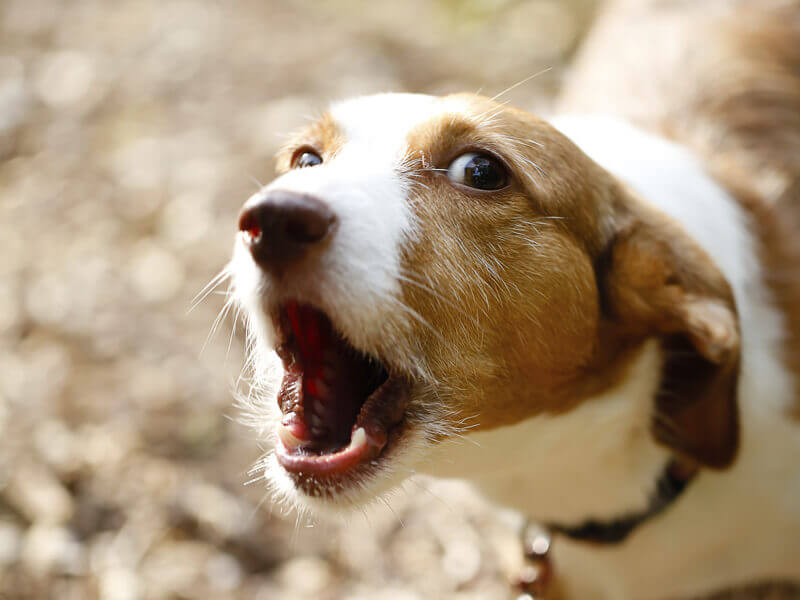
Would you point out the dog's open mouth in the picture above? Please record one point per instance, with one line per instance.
(338, 404)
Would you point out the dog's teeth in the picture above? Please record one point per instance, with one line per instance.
(288, 439)
(359, 438)
(316, 422)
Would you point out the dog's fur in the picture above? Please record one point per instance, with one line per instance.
(625, 302)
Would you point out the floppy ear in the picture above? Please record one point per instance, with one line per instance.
(657, 282)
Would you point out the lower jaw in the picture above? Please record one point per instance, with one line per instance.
(344, 484)
(334, 463)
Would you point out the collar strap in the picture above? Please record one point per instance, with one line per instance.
(673, 481)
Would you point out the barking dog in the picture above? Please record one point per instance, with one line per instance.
(610, 314)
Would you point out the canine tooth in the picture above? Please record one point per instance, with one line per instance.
(288, 439)
(359, 438)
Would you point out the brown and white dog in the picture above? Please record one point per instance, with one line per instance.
(613, 317)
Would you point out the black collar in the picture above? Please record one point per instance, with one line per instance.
(674, 479)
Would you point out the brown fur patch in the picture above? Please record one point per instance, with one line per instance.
(508, 277)
(534, 334)
(323, 136)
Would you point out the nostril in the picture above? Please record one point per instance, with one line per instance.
(250, 227)
(283, 225)
(307, 226)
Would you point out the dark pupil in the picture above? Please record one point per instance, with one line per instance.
(484, 174)
(308, 159)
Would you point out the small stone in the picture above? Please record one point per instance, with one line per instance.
(306, 576)
(140, 165)
(186, 219)
(461, 561)
(57, 446)
(64, 77)
(155, 273)
(10, 307)
(39, 496)
(174, 567)
(14, 98)
(119, 584)
(223, 572)
(10, 543)
(49, 549)
(215, 509)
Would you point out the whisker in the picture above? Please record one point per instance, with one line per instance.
(215, 282)
(523, 81)
(258, 184)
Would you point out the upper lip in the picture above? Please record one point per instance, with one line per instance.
(338, 404)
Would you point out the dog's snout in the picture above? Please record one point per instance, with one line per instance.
(283, 225)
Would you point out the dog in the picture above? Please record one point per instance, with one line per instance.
(607, 304)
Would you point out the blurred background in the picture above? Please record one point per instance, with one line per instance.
(130, 134)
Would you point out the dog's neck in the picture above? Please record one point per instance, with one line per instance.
(602, 451)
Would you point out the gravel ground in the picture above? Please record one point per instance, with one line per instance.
(130, 133)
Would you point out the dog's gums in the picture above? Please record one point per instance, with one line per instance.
(338, 405)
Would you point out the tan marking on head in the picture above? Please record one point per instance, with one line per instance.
(323, 135)
(522, 326)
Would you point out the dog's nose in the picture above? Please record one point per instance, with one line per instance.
(283, 225)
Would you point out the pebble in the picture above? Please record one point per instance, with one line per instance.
(63, 78)
(186, 219)
(155, 273)
(305, 576)
(38, 495)
(174, 567)
(224, 572)
(214, 509)
(14, 96)
(119, 584)
(52, 549)
(461, 561)
(10, 543)
(57, 446)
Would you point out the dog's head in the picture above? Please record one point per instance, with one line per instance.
(428, 266)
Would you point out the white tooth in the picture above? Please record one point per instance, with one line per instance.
(359, 438)
(288, 439)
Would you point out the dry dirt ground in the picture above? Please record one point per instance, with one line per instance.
(130, 133)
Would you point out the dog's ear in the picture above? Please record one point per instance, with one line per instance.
(656, 281)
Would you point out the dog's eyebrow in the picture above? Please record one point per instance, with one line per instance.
(440, 135)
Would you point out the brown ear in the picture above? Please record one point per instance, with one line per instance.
(657, 282)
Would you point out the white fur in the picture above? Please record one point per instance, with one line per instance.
(357, 279)
(603, 447)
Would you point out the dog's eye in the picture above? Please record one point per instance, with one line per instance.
(306, 158)
(479, 171)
